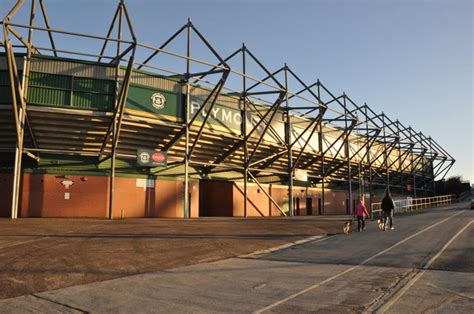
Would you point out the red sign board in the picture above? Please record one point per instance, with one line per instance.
(158, 157)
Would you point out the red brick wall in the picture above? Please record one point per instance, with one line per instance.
(165, 199)
(43, 195)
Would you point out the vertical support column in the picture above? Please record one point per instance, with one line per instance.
(244, 128)
(16, 92)
(348, 151)
(288, 143)
(387, 171)
(412, 157)
(432, 167)
(112, 171)
(321, 150)
(368, 159)
(186, 118)
(17, 168)
(320, 144)
(399, 153)
(22, 90)
(423, 168)
(414, 186)
(115, 122)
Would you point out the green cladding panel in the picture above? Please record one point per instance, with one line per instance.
(5, 92)
(155, 102)
(91, 85)
(68, 91)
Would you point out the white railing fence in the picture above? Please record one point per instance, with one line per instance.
(410, 204)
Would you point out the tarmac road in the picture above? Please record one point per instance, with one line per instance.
(424, 265)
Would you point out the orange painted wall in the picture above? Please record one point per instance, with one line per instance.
(5, 194)
(301, 194)
(279, 195)
(44, 196)
(258, 203)
(165, 199)
(335, 202)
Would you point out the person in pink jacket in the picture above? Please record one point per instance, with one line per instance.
(361, 212)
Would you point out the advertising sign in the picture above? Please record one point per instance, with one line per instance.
(151, 158)
(301, 175)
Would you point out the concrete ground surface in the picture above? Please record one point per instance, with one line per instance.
(45, 254)
(424, 265)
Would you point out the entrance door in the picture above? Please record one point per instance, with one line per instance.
(309, 206)
(297, 206)
(189, 204)
(320, 207)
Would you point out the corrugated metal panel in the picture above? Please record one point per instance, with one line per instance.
(5, 93)
(51, 90)
(19, 62)
(50, 81)
(4, 79)
(55, 90)
(141, 78)
(93, 85)
(48, 96)
(92, 101)
(72, 69)
(93, 93)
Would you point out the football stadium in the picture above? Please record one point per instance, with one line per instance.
(126, 129)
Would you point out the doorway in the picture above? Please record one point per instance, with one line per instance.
(189, 205)
(309, 206)
(296, 205)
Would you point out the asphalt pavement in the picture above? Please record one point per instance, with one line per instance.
(424, 265)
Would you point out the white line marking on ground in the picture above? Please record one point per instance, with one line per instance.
(314, 239)
(410, 283)
(271, 306)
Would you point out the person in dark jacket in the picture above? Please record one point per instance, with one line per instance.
(387, 208)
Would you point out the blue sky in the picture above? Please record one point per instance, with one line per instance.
(412, 60)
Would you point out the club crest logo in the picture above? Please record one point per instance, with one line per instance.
(144, 157)
(158, 101)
